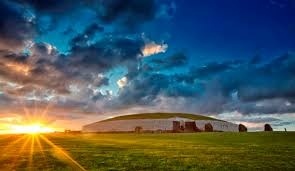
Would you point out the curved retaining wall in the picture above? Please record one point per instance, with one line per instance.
(154, 125)
(218, 125)
(129, 125)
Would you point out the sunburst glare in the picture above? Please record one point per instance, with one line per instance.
(33, 128)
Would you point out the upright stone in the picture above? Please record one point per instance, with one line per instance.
(267, 127)
(242, 128)
(208, 127)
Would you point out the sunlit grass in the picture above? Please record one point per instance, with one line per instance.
(198, 151)
(21, 153)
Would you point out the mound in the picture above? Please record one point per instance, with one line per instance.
(160, 116)
(159, 122)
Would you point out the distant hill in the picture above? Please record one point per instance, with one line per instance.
(160, 116)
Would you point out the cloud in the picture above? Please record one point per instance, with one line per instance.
(80, 80)
(37, 70)
(152, 48)
(15, 29)
(52, 7)
(236, 117)
(89, 33)
(125, 15)
(105, 54)
(284, 123)
(167, 10)
(127, 12)
(216, 87)
(122, 82)
(173, 61)
(45, 70)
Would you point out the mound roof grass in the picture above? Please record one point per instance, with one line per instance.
(159, 116)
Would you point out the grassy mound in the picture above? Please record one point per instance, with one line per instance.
(159, 116)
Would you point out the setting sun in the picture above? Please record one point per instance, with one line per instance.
(34, 128)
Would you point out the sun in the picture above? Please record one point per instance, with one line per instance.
(34, 128)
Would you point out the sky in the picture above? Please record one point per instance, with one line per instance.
(68, 63)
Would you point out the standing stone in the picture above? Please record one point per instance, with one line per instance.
(267, 127)
(242, 128)
(138, 129)
(191, 127)
(208, 127)
(176, 126)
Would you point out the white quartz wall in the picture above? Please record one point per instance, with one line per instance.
(129, 125)
(155, 124)
(218, 125)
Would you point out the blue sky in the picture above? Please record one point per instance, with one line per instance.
(84, 61)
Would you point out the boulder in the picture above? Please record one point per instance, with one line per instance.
(208, 127)
(191, 127)
(242, 128)
(267, 127)
(138, 129)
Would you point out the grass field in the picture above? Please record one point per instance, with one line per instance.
(196, 151)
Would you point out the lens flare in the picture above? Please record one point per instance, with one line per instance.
(34, 128)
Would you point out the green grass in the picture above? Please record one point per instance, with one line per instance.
(160, 116)
(193, 151)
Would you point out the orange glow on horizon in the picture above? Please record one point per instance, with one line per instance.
(34, 128)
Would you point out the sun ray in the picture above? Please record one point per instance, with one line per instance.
(20, 153)
(45, 110)
(31, 151)
(70, 160)
(8, 148)
(41, 149)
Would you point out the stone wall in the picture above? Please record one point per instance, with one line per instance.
(130, 125)
(154, 125)
(218, 125)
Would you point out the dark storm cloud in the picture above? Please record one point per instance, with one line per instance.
(67, 80)
(144, 89)
(207, 71)
(52, 6)
(220, 87)
(15, 28)
(45, 69)
(106, 54)
(259, 89)
(84, 64)
(74, 78)
(107, 10)
(175, 60)
(128, 12)
(87, 35)
(29, 71)
(273, 80)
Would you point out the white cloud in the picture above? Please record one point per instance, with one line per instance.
(122, 82)
(153, 48)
